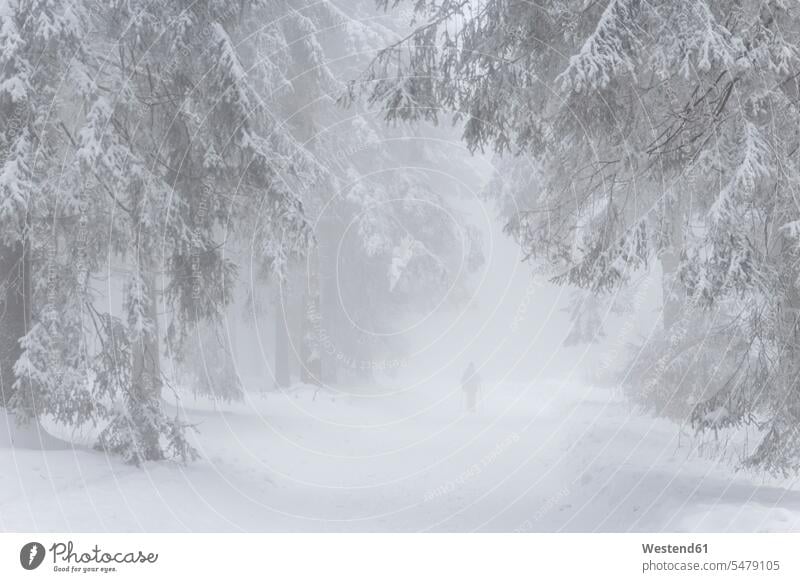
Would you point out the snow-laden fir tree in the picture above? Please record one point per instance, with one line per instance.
(140, 143)
(43, 199)
(182, 138)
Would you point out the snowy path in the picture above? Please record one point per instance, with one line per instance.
(543, 458)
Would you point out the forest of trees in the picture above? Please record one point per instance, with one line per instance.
(198, 157)
(645, 136)
(164, 165)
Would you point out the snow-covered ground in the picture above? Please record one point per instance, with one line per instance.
(538, 457)
(401, 455)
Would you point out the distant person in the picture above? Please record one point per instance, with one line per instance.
(471, 385)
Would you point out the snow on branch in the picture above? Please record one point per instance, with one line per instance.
(754, 165)
(608, 49)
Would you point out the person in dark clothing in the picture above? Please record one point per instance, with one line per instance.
(471, 385)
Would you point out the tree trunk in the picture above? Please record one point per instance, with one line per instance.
(312, 343)
(146, 372)
(282, 372)
(331, 351)
(15, 305)
(364, 366)
(672, 288)
(789, 336)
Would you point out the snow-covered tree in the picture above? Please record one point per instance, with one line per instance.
(179, 134)
(42, 200)
(136, 145)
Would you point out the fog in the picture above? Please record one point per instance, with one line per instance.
(339, 266)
